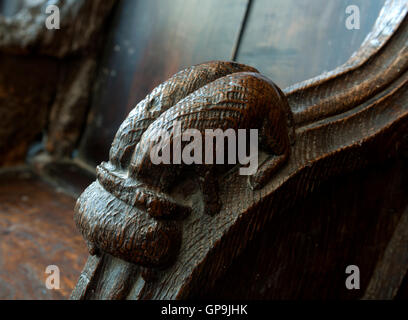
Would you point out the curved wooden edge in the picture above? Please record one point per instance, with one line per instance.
(392, 267)
(366, 120)
(26, 33)
(381, 59)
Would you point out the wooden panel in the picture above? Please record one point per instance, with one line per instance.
(389, 273)
(36, 230)
(27, 87)
(150, 41)
(294, 40)
(68, 175)
(303, 253)
(403, 291)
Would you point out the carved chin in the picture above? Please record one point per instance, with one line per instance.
(126, 232)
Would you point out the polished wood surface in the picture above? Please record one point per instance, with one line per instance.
(36, 230)
(292, 40)
(149, 41)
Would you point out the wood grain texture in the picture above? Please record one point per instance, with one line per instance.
(24, 117)
(381, 59)
(225, 98)
(70, 104)
(24, 32)
(84, 36)
(303, 251)
(393, 265)
(162, 98)
(353, 122)
(149, 42)
(291, 40)
(36, 230)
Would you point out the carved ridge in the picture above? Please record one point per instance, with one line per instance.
(381, 59)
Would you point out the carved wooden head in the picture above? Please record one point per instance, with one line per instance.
(132, 211)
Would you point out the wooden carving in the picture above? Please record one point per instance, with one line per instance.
(140, 225)
(139, 214)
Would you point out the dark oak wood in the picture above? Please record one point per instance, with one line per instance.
(138, 56)
(332, 191)
(214, 95)
(345, 120)
(23, 30)
(393, 265)
(46, 75)
(71, 176)
(36, 230)
(291, 40)
(45, 82)
(303, 252)
(149, 41)
(24, 117)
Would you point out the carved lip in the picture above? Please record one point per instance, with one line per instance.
(136, 193)
(124, 231)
